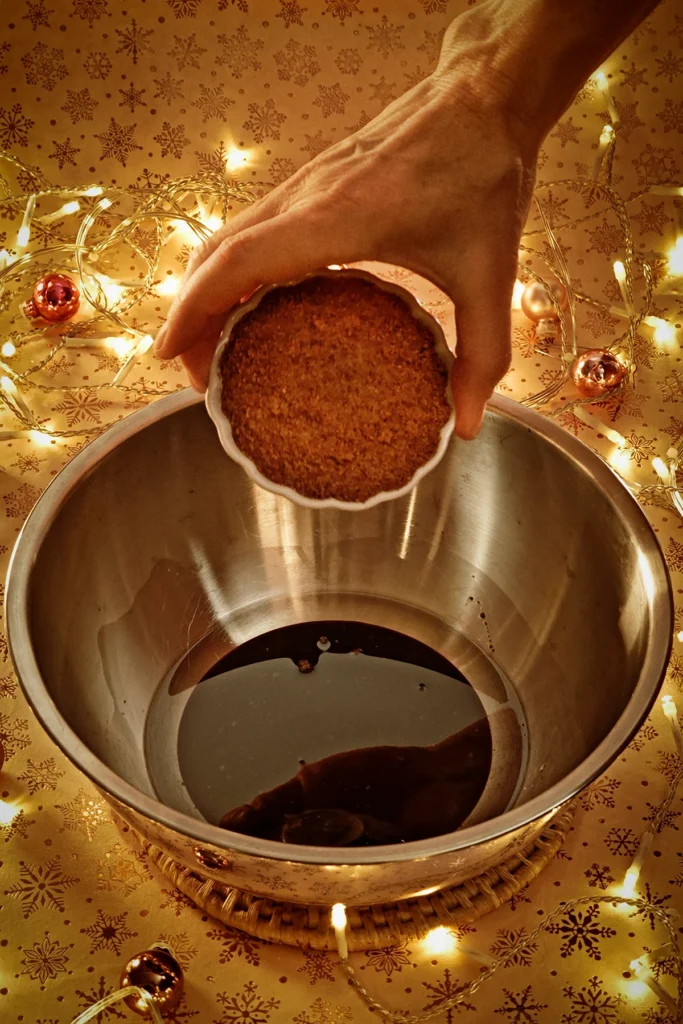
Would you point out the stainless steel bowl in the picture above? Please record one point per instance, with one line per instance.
(152, 553)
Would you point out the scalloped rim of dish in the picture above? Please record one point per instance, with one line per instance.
(214, 390)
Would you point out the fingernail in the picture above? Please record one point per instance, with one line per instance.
(158, 346)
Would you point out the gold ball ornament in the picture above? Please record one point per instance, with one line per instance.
(537, 301)
(158, 972)
(55, 298)
(597, 372)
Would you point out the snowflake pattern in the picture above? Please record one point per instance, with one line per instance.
(121, 870)
(657, 900)
(297, 63)
(94, 995)
(521, 1007)
(240, 52)
(317, 965)
(183, 949)
(27, 463)
(580, 930)
(18, 503)
(39, 775)
(64, 153)
(348, 61)
(600, 792)
(82, 406)
(590, 1004)
(45, 960)
(108, 932)
(134, 41)
(186, 52)
(441, 991)
(38, 14)
(236, 944)
(246, 1007)
(97, 65)
(41, 885)
(14, 126)
(633, 77)
(566, 132)
(264, 121)
(606, 238)
(599, 877)
(8, 690)
(383, 92)
(390, 959)
(14, 735)
(331, 99)
(132, 98)
(385, 37)
(44, 66)
(184, 8)
(507, 939)
(341, 9)
(172, 139)
(80, 105)
(212, 103)
(18, 827)
(323, 1012)
(83, 814)
(282, 168)
(671, 116)
(89, 10)
(118, 142)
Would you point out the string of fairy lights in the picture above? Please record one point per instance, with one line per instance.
(58, 294)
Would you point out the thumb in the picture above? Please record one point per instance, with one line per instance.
(284, 247)
(483, 350)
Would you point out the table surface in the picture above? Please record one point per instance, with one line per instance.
(91, 91)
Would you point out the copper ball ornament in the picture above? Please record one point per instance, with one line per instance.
(158, 972)
(55, 298)
(597, 372)
(537, 300)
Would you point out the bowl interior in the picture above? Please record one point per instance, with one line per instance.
(520, 558)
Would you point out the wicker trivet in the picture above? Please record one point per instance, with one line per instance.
(369, 927)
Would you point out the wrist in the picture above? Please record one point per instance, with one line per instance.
(528, 58)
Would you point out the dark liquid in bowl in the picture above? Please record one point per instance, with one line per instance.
(388, 792)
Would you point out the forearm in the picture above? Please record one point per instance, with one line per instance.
(534, 55)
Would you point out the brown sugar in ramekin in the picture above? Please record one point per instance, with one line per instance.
(333, 388)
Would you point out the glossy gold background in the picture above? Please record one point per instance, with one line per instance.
(125, 92)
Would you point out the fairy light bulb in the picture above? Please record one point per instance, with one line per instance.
(120, 346)
(213, 223)
(24, 233)
(664, 333)
(661, 469)
(72, 207)
(8, 349)
(439, 940)
(40, 438)
(169, 286)
(94, 190)
(339, 925)
(7, 812)
(675, 258)
(517, 292)
(236, 158)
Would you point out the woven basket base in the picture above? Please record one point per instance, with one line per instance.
(369, 927)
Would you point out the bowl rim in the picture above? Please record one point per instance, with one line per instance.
(658, 589)
(214, 389)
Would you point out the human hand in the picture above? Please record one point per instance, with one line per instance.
(438, 183)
